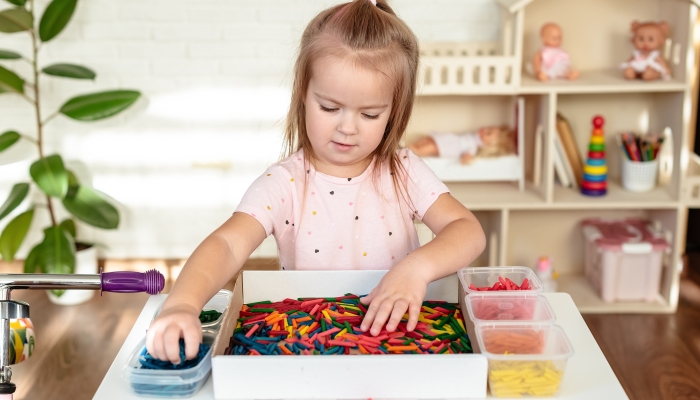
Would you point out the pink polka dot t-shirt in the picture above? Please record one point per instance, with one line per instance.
(341, 223)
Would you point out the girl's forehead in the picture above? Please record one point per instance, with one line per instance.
(344, 79)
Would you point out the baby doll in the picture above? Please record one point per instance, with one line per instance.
(646, 62)
(490, 141)
(551, 62)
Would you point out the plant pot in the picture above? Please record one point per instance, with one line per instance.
(85, 263)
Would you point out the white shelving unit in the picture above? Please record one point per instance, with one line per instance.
(461, 89)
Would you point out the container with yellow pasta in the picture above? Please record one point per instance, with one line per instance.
(524, 359)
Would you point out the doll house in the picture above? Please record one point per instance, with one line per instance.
(525, 212)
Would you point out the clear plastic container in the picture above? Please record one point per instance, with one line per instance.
(488, 276)
(219, 302)
(167, 383)
(509, 307)
(524, 359)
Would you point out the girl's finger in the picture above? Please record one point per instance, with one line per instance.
(368, 299)
(400, 308)
(171, 339)
(193, 337)
(371, 313)
(382, 315)
(159, 346)
(413, 313)
(150, 335)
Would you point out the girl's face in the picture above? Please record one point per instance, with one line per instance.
(347, 109)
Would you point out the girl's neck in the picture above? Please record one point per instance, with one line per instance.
(342, 171)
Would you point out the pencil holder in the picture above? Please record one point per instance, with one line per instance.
(639, 176)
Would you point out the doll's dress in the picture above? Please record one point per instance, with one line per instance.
(452, 145)
(640, 63)
(555, 62)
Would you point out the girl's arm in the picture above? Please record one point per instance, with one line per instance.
(213, 263)
(459, 240)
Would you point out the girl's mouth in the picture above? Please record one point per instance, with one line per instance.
(343, 147)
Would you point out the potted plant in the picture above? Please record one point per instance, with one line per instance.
(56, 253)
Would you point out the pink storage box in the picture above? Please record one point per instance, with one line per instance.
(624, 258)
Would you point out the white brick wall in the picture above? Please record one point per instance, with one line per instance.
(215, 77)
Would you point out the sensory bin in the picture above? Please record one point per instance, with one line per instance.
(151, 377)
(170, 382)
(326, 326)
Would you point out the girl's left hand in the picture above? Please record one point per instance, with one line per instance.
(402, 288)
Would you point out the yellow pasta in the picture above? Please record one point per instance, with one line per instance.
(517, 378)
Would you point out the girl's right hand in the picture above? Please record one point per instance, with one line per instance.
(163, 336)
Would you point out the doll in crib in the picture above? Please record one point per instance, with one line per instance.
(492, 141)
(551, 61)
(646, 61)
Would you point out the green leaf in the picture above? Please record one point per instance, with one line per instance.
(72, 179)
(55, 18)
(10, 82)
(57, 252)
(7, 139)
(69, 71)
(13, 235)
(17, 2)
(101, 105)
(17, 195)
(89, 206)
(31, 264)
(9, 55)
(50, 174)
(16, 20)
(57, 292)
(69, 226)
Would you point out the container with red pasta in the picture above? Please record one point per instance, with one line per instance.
(499, 280)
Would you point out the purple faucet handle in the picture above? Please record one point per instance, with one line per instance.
(151, 281)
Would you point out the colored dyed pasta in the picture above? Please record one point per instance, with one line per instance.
(325, 326)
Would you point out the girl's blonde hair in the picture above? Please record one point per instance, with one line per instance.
(372, 37)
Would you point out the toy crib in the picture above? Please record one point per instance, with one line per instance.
(476, 67)
(487, 68)
(466, 68)
(510, 168)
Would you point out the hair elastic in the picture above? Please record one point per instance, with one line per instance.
(374, 2)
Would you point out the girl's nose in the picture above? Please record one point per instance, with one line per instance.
(347, 125)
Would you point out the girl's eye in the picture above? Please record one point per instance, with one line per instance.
(371, 116)
(326, 109)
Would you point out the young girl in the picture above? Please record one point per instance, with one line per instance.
(346, 196)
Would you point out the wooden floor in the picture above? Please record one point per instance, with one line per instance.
(655, 357)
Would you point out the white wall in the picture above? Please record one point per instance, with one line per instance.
(215, 76)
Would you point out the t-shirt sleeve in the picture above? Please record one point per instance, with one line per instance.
(423, 186)
(269, 200)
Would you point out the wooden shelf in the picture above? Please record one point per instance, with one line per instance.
(588, 301)
(617, 197)
(495, 195)
(598, 81)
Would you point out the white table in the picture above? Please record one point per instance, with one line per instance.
(588, 374)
